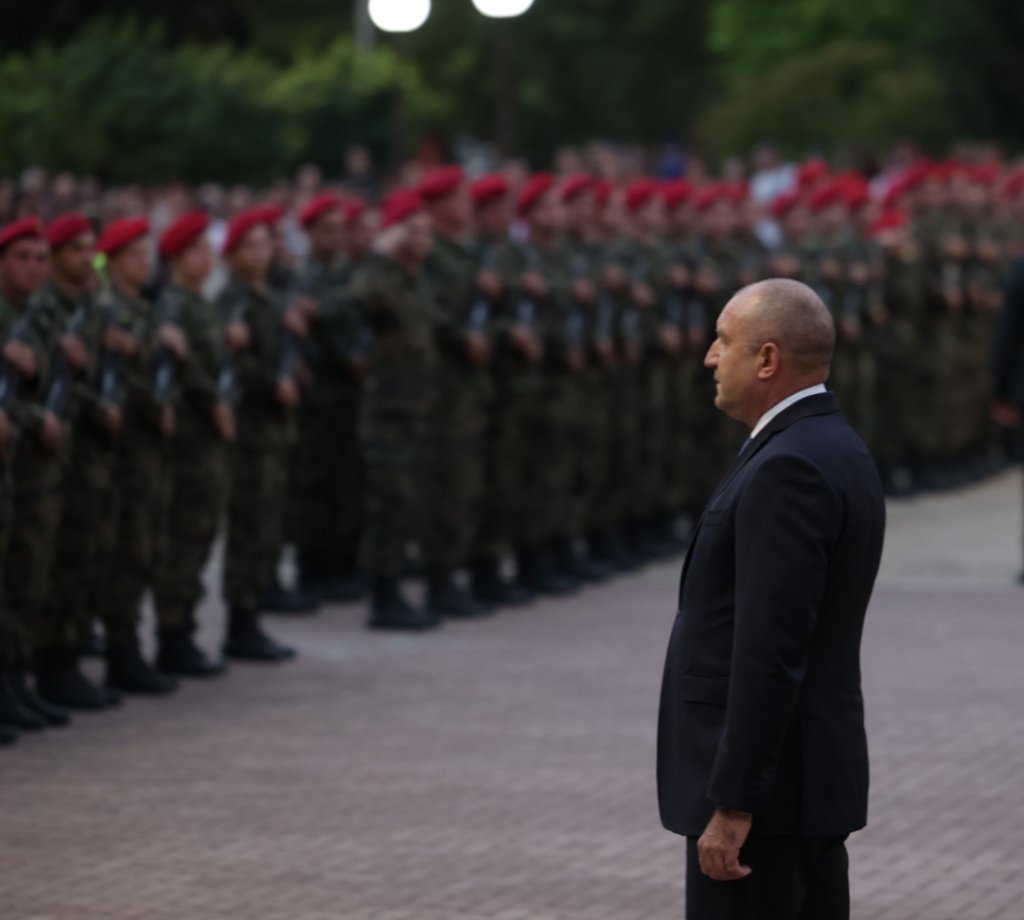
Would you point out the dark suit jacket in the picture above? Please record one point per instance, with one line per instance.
(1008, 342)
(761, 706)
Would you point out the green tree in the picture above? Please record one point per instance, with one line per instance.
(845, 95)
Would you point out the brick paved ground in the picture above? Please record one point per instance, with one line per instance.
(504, 769)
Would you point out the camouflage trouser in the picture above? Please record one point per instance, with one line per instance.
(625, 406)
(593, 455)
(652, 483)
(192, 499)
(679, 448)
(454, 480)
(10, 640)
(548, 461)
(501, 515)
(711, 432)
(393, 439)
(38, 501)
(325, 516)
(256, 509)
(128, 550)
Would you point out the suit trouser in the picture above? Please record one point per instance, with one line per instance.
(792, 878)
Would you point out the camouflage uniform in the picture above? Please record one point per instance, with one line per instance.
(326, 514)
(193, 486)
(129, 524)
(399, 395)
(454, 463)
(258, 460)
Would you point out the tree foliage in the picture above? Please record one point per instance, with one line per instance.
(847, 94)
(119, 102)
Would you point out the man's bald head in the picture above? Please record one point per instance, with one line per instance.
(775, 338)
(792, 316)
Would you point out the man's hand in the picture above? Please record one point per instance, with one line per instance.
(719, 846)
(237, 335)
(525, 341)
(51, 432)
(477, 350)
(295, 322)
(489, 283)
(167, 421)
(74, 352)
(288, 393)
(535, 285)
(120, 342)
(173, 339)
(111, 418)
(224, 420)
(21, 358)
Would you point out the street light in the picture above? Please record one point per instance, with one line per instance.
(399, 15)
(502, 9)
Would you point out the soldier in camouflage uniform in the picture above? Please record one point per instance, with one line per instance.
(591, 445)
(23, 265)
(394, 299)
(327, 505)
(264, 338)
(125, 529)
(48, 563)
(496, 533)
(546, 333)
(190, 500)
(455, 452)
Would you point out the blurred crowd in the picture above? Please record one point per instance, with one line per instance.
(492, 381)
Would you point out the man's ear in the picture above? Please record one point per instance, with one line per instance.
(768, 361)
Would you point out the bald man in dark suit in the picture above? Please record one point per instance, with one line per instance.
(762, 753)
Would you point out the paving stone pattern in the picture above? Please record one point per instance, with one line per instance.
(505, 769)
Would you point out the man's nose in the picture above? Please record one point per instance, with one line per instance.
(711, 358)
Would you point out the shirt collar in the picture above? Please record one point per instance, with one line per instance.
(780, 407)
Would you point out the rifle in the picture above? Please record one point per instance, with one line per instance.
(166, 359)
(9, 377)
(227, 379)
(480, 311)
(58, 398)
(111, 390)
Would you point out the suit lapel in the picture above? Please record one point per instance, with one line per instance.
(819, 404)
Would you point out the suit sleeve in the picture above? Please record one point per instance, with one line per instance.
(787, 521)
(1009, 338)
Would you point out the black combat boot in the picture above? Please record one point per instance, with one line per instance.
(347, 582)
(537, 574)
(279, 599)
(8, 734)
(390, 610)
(179, 655)
(247, 641)
(15, 713)
(54, 716)
(129, 672)
(445, 598)
(60, 681)
(492, 589)
(91, 643)
(581, 568)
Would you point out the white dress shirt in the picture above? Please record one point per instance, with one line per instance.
(784, 405)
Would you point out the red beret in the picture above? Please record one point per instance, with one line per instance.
(182, 233)
(825, 196)
(915, 175)
(707, 196)
(675, 193)
(734, 192)
(440, 182)
(65, 228)
(639, 193)
(890, 220)
(854, 191)
(240, 227)
(785, 203)
(533, 189)
(984, 174)
(487, 188)
(121, 233)
(270, 214)
(26, 228)
(1014, 185)
(602, 192)
(810, 171)
(575, 185)
(319, 206)
(400, 205)
(353, 209)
